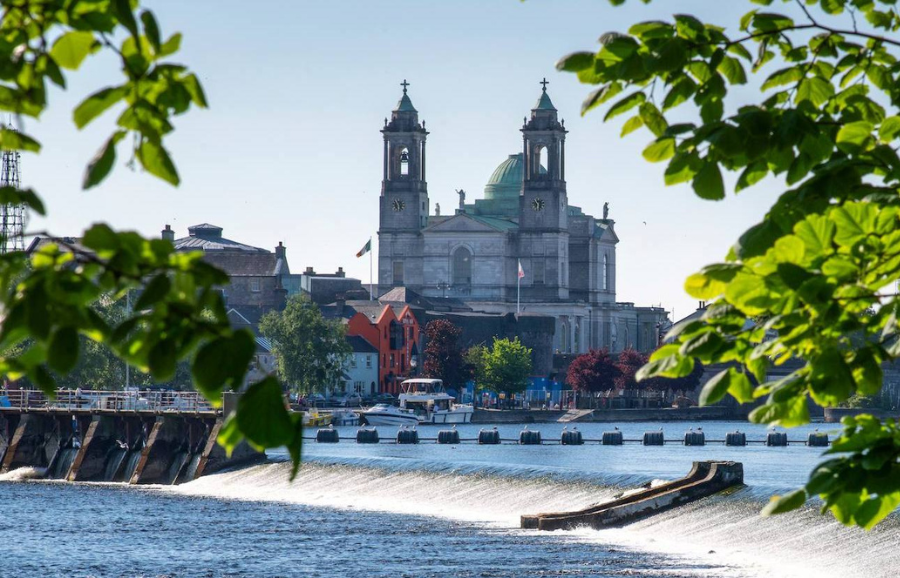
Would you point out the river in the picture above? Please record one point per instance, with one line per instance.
(440, 511)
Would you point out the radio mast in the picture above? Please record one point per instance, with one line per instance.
(12, 216)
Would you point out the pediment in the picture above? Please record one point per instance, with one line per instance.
(461, 224)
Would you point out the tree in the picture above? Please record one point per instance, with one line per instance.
(507, 366)
(310, 351)
(46, 299)
(628, 363)
(475, 359)
(443, 356)
(818, 266)
(593, 371)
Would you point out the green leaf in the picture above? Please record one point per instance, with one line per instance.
(754, 173)
(162, 359)
(708, 182)
(151, 29)
(816, 90)
(889, 129)
(576, 61)
(733, 70)
(192, 85)
(122, 9)
(96, 104)
(155, 159)
(155, 291)
(222, 362)
(171, 46)
(27, 197)
(599, 96)
(716, 388)
(653, 119)
(70, 49)
(660, 150)
(631, 125)
(852, 137)
(16, 141)
(62, 355)
(782, 77)
(230, 435)
(102, 163)
(101, 238)
(785, 503)
(262, 417)
(627, 103)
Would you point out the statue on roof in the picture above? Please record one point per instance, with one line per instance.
(462, 199)
(437, 209)
(606, 210)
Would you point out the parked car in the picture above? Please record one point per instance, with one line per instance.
(348, 400)
(314, 400)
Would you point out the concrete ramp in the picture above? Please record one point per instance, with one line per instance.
(574, 415)
(704, 479)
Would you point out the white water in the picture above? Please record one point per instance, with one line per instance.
(23, 474)
(723, 529)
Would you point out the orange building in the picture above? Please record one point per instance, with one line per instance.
(396, 336)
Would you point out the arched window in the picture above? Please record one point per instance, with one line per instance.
(605, 272)
(404, 162)
(462, 267)
(564, 337)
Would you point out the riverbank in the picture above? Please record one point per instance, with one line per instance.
(486, 416)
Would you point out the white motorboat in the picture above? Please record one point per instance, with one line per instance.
(428, 400)
(385, 414)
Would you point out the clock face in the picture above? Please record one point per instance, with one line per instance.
(537, 204)
(398, 205)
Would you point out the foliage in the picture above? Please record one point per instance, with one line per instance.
(593, 371)
(311, 351)
(628, 363)
(48, 296)
(475, 359)
(443, 356)
(506, 366)
(818, 269)
(685, 383)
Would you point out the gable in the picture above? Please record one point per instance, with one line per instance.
(462, 224)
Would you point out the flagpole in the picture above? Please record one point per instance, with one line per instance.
(371, 282)
(518, 287)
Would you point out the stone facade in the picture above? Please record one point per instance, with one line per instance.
(524, 220)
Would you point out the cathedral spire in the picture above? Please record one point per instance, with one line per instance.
(405, 104)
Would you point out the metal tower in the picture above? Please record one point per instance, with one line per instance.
(12, 217)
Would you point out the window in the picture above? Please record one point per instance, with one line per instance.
(353, 361)
(393, 362)
(605, 272)
(368, 362)
(404, 162)
(462, 266)
(563, 281)
(537, 275)
(398, 273)
(254, 285)
(358, 386)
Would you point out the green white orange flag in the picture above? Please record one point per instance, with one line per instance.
(366, 248)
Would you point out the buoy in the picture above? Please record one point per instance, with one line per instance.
(654, 438)
(776, 439)
(817, 440)
(529, 437)
(367, 436)
(736, 438)
(407, 436)
(571, 438)
(695, 438)
(327, 436)
(489, 437)
(612, 438)
(448, 436)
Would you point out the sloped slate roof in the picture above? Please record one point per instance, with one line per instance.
(237, 264)
(360, 345)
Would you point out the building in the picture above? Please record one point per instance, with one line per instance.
(361, 371)
(325, 288)
(525, 218)
(256, 276)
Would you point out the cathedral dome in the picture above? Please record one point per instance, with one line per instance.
(506, 182)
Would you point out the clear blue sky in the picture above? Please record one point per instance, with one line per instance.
(290, 150)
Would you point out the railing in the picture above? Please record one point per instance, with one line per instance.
(155, 401)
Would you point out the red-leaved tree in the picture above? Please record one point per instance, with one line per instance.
(630, 360)
(443, 356)
(593, 371)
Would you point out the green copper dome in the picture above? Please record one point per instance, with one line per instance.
(506, 182)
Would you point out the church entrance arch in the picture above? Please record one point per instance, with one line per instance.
(462, 266)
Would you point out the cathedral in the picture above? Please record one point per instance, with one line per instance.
(521, 248)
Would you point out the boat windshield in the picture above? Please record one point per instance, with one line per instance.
(381, 407)
(422, 386)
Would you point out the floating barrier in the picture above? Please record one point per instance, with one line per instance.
(817, 440)
(694, 438)
(612, 438)
(704, 479)
(571, 438)
(489, 437)
(776, 439)
(327, 436)
(654, 438)
(448, 436)
(529, 438)
(736, 438)
(367, 436)
(407, 436)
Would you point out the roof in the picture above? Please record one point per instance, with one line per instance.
(208, 237)
(507, 179)
(238, 264)
(543, 102)
(405, 104)
(496, 222)
(360, 345)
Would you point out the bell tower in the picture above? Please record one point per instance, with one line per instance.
(543, 208)
(404, 205)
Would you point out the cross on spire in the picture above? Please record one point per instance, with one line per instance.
(544, 83)
(404, 84)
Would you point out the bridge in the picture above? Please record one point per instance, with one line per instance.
(150, 437)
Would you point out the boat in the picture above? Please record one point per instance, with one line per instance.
(385, 414)
(344, 417)
(427, 399)
(313, 418)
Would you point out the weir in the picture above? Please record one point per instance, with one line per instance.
(111, 437)
(704, 479)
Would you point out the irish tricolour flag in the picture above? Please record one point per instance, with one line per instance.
(366, 248)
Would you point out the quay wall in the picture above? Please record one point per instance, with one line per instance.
(611, 415)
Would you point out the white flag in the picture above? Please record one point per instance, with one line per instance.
(521, 271)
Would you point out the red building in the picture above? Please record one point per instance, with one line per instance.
(396, 336)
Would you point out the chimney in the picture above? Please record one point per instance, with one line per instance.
(168, 234)
(280, 251)
(310, 272)
(340, 272)
(340, 301)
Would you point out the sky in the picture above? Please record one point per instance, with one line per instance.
(290, 148)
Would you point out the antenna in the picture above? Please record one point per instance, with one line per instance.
(12, 216)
